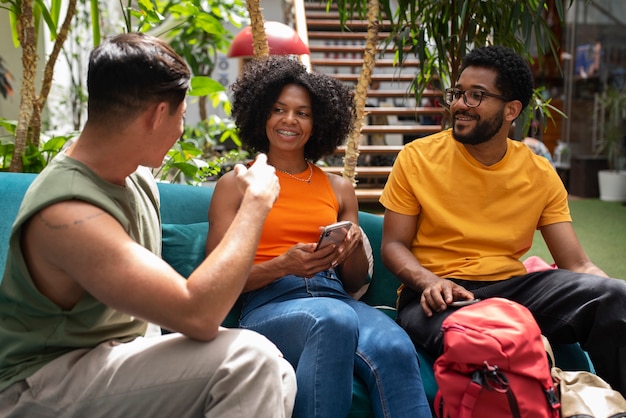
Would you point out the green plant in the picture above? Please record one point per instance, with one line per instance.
(34, 158)
(195, 29)
(540, 110)
(26, 17)
(200, 35)
(440, 33)
(205, 151)
(613, 143)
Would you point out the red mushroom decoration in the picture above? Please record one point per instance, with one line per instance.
(282, 40)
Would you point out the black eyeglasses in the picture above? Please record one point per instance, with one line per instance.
(471, 97)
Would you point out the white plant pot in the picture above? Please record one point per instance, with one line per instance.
(612, 185)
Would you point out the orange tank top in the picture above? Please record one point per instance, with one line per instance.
(299, 211)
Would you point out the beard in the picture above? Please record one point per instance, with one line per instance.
(483, 132)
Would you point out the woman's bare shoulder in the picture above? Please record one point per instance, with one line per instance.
(337, 181)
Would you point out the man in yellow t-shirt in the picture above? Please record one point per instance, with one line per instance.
(462, 206)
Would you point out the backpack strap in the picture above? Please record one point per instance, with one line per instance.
(497, 381)
(490, 378)
(513, 403)
(471, 395)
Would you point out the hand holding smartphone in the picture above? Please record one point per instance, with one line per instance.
(333, 234)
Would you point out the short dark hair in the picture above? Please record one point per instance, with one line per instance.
(255, 92)
(131, 71)
(514, 79)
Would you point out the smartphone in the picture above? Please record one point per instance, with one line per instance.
(333, 234)
(458, 303)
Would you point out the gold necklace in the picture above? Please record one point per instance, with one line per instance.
(306, 180)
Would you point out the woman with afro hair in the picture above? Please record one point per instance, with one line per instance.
(297, 294)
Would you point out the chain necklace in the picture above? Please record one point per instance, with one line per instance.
(306, 180)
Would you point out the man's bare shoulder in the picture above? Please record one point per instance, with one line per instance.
(66, 215)
(54, 239)
(67, 233)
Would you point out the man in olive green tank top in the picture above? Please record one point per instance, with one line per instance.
(84, 274)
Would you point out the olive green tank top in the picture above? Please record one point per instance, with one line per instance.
(33, 329)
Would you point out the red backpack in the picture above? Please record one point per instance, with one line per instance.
(493, 364)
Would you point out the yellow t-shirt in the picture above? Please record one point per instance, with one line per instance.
(297, 214)
(475, 221)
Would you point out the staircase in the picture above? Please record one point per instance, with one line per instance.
(393, 116)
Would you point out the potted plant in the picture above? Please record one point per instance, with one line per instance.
(612, 182)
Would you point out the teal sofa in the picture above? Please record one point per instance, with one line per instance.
(184, 220)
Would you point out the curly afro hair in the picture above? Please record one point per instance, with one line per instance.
(514, 79)
(255, 92)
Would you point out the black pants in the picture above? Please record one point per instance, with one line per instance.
(569, 307)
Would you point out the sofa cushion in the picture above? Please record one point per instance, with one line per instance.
(184, 246)
(183, 249)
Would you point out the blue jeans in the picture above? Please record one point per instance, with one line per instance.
(328, 337)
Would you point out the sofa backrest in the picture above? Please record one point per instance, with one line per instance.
(12, 189)
(184, 212)
(384, 286)
(183, 204)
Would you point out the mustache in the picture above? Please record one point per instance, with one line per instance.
(463, 113)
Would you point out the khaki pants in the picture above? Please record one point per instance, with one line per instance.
(239, 374)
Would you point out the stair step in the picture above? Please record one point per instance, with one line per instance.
(358, 62)
(361, 171)
(323, 14)
(368, 194)
(373, 149)
(401, 93)
(328, 39)
(405, 111)
(400, 129)
(350, 25)
(348, 49)
(397, 78)
(318, 5)
(346, 36)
